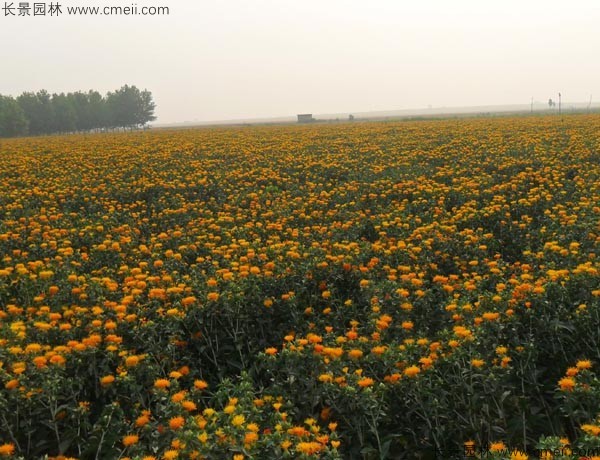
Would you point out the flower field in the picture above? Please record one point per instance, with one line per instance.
(360, 290)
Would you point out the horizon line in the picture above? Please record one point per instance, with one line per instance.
(433, 110)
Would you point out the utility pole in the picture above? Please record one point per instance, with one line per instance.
(559, 102)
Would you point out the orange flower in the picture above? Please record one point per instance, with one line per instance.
(58, 360)
(187, 301)
(142, 420)
(189, 405)
(566, 384)
(250, 437)
(365, 382)
(585, 364)
(477, 362)
(7, 450)
(355, 353)
(107, 380)
(412, 371)
(162, 384)
(170, 454)
(309, 448)
(497, 446)
(200, 384)
(176, 423)
(130, 440)
(132, 361)
(40, 362)
(11, 384)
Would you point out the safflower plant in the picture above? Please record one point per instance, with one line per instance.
(364, 290)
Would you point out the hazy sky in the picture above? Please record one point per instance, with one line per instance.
(230, 59)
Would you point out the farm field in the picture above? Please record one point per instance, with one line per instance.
(359, 290)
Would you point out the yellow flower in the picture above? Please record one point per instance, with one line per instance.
(518, 455)
(238, 420)
(285, 445)
(325, 378)
(229, 409)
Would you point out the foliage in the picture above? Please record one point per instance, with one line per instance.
(12, 118)
(42, 113)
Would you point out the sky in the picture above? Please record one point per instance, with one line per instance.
(213, 60)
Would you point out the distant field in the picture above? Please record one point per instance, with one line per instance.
(365, 290)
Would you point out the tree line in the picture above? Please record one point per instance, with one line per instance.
(35, 113)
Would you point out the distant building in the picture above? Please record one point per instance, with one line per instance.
(305, 118)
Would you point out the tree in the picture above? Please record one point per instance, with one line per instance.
(42, 113)
(65, 116)
(129, 107)
(99, 114)
(120, 105)
(146, 108)
(31, 107)
(46, 112)
(81, 105)
(12, 118)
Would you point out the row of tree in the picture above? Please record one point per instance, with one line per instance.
(43, 113)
